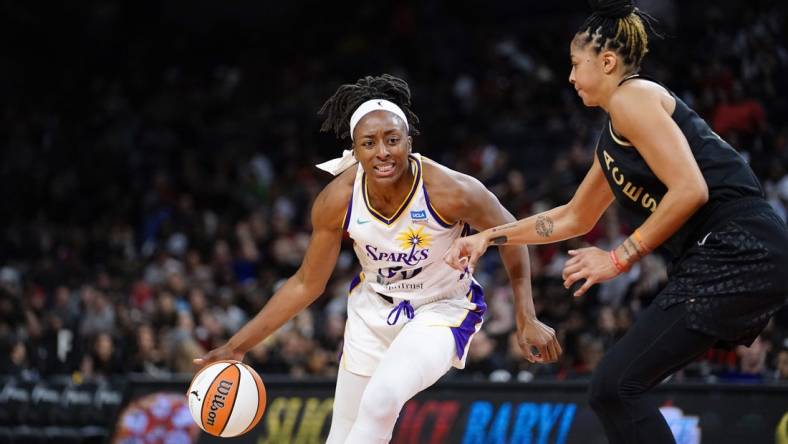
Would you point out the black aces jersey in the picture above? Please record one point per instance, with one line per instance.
(638, 190)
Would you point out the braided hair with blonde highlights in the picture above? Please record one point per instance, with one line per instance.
(340, 106)
(617, 25)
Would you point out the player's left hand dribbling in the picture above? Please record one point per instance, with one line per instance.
(592, 264)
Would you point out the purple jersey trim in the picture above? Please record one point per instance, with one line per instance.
(466, 329)
(354, 283)
(434, 213)
(348, 213)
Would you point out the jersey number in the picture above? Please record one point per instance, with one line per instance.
(390, 272)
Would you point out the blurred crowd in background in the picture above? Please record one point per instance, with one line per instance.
(157, 169)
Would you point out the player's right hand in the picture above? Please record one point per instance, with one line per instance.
(217, 354)
(540, 336)
(466, 251)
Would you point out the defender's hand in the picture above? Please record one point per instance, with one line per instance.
(592, 264)
(466, 251)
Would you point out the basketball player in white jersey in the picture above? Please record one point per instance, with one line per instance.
(411, 317)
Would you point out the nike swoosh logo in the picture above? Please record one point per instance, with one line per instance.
(361, 222)
(703, 241)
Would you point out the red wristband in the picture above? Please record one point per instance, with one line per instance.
(616, 262)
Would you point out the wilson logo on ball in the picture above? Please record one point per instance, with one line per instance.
(218, 400)
(227, 398)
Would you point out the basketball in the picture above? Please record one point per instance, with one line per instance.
(226, 398)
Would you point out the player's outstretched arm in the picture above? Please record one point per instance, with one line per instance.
(573, 219)
(301, 289)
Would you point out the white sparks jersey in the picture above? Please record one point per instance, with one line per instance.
(402, 256)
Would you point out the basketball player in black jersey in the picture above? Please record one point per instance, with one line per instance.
(689, 193)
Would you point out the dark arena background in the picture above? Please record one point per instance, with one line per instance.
(156, 176)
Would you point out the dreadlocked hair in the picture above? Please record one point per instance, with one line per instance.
(340, 106)
(617, 25)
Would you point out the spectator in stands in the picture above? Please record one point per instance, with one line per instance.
(17, 362)
(782, 362)
(148, 358)
(99, 315)
(752, 362)
(591, 351)
(104, 356)
(482, 358)
(738, 113)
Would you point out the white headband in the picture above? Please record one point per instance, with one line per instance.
(336, 166)
(375, 105)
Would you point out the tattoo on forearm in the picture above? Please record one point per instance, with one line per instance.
(544, 226)
(500, 240)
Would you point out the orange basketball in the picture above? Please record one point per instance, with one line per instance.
(226, 398)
